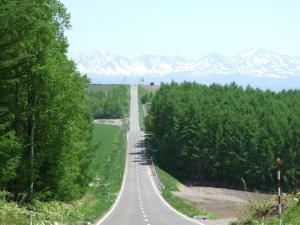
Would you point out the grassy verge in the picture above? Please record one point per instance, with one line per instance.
(141, 92)
(292, 215)
(141, 115)
(266, 212)
(107, 169)
(185, 207)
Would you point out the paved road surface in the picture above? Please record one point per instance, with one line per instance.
(139, 202)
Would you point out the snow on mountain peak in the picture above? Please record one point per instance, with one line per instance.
(255, 62)
(260, 62)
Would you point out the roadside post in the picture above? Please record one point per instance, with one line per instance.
(279, 190)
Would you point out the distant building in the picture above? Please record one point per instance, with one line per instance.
(152, 83)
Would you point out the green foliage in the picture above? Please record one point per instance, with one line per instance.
(110, 142)
(46, 127)
(145, 95)
(141, 116)
(292, 216)
(221, 134)
(109, 102)
(9, 152)
(45, 120)
(266, 212)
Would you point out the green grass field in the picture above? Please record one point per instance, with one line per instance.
(107, 168)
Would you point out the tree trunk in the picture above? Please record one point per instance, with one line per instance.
(18, 134)
(31, 137)
(32, 102)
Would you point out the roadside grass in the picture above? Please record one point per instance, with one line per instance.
(107, 169)
(11, 213)
(141, 116)
(171, 184)
(141, 90)
(292, 216)
(267, 215)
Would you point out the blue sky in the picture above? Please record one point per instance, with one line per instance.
(187, 28)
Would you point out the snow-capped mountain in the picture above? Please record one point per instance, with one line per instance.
(214, 63)
(255, 63)
(104, 64)
(260, 62)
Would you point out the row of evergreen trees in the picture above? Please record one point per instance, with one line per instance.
(145, 95)
(112, 104)
(226, 134)
(45, 119)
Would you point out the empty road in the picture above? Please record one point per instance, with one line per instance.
(139, 202)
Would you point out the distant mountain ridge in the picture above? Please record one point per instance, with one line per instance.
(255, 63)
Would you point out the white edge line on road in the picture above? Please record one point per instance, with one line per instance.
(122, 188)
(166, 203)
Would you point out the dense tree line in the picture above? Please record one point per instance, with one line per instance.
(226, 134)
(112, 103)
(45, 120)
(145, 96)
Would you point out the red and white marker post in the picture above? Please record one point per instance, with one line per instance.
(279, 189)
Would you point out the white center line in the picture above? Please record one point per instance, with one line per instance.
(139, 190)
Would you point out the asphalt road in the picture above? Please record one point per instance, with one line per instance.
(139, 202)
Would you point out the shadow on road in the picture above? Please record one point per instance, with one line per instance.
(141, 156)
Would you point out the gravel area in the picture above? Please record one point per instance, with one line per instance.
(226, 204)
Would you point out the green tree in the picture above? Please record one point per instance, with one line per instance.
(222, 134)
(46, 128)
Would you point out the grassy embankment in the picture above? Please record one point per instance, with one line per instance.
(168, 181)
(107, 169)
(185, 207)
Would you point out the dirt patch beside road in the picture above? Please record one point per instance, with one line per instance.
(117, 122)
(225, 203)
